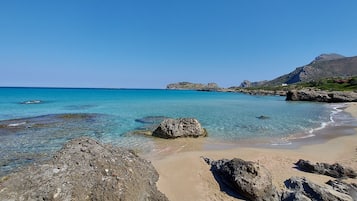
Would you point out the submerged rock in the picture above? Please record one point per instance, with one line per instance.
(27, 140)
(149, 123)
(85, 169)
(262, 117)
(335, 170)
(151, 119)
(248, 179)
(182, 127)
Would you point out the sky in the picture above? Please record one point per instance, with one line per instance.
(151, 43)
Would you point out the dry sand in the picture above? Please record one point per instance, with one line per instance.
(185, 176)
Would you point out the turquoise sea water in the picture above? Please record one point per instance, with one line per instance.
(227, 117)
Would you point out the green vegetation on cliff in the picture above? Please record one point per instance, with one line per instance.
(326, 84)
(333, 84)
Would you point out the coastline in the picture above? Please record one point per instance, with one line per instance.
(185, 176)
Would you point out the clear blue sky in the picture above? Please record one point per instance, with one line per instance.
(150, 43)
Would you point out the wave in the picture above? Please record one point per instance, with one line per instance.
(335, 110)
(31, 102)
(16, 124)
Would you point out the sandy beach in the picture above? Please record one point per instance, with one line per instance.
(185, 176)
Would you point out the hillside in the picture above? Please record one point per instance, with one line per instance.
(324, 66)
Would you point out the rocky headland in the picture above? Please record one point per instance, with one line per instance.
(193, 86)
(309, 94)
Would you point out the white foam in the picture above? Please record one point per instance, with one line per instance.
(32, 102)
(16, 124)
(336, 108)
(280, 144)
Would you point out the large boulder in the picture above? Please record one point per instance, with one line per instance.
(304, 190)
(335, 170)
(248, 179)
(182, 127)
(85, 169)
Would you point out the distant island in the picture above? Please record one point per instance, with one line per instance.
(193, 86)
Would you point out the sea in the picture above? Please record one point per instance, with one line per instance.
(36, 122)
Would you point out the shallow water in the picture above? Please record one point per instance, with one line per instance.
(229, 117)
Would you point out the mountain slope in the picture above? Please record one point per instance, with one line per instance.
(324, 66)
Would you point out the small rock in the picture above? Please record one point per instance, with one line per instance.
(262, 117)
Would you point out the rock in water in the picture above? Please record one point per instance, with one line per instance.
(85, 170)
(335, 170)
(249, 179)
(182, 127)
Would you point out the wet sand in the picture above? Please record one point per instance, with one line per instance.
(185, 176)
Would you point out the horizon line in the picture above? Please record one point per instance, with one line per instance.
(58, 87)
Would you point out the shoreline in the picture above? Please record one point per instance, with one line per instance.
(185, 176)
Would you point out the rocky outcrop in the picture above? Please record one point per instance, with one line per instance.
(193, 86)
(335, 170)
(342, 187)
(303, 189)
(182, 127)
(327, 57)
(321, 96)
(260, 92)
(248, 179)
(247, 84)
(254, 182)
(85, 170)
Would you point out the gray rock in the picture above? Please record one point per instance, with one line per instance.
(182, 127)
(327, 57)
(321, 96)
(342, 187)
(85, 170)
(335, 170)
(262, 117)
(301, 189)
(248, 179)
